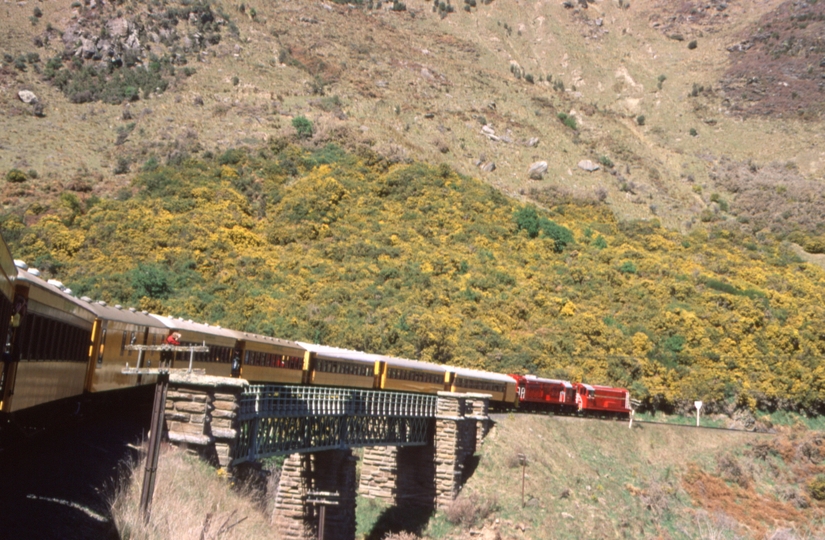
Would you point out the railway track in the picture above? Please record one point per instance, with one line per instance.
(504, 414)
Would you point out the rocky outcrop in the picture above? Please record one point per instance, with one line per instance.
(537, 170)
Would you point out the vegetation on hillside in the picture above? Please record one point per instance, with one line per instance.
(606, 481)
(421, 262)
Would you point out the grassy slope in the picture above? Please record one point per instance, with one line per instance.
(585, 479)
(601, 480)
(190, 501)
(388, 69)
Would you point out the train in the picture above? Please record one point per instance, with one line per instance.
(59, 347)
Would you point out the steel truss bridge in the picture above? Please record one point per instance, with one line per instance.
(280, 419)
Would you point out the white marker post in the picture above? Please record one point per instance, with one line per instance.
(698, 405)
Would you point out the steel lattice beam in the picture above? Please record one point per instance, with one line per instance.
(277, 419)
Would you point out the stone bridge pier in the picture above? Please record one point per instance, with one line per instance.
(306, 477)
(429, 475)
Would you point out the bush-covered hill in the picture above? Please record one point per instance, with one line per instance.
(421, 262)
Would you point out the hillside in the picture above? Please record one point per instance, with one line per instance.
(606, 481)
(674, 94)
(583, 479)
(424, 263)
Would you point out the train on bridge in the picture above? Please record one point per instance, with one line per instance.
(59, 347)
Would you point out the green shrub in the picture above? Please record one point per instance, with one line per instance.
(235, 81)
(122, 166)
(600, 242)
(151, 281)
(16, 176)
(561, 235)
(627, 267)
(37, 12)
(692, 45)
(661, 80)
(693, 132)
(150, 165)
(567, 120)
(233, 156)
(606, 161)
(303, 126)
(529, 78)
(528, 219)
(640, 119)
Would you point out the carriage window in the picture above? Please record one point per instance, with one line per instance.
(344, 368)
(417, 376)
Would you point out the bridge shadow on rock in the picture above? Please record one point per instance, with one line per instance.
(409, 518)
(470, 467)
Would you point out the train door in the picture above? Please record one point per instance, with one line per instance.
(237, 355)
(11, 350)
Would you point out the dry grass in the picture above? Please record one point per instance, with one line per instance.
(470, 509)
(775, 197)
(191, 500)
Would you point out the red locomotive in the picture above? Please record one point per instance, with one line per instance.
(534, 393)
(602, 400)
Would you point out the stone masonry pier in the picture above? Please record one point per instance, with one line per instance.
(431, 475)
(201, 414)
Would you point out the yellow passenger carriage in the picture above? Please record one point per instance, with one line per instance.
(402, 375)
(49, 348)
(270, 360)
(114, 329)
(501, 387)
(330, 366)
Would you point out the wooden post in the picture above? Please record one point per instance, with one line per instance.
(322, 517)
(523, 462)
(155, 434)
(322, 499)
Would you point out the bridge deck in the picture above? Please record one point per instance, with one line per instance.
(280, 419)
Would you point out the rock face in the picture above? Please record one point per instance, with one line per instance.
(27, 96)
(118, 28)
(537, 170)
(588, 165)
